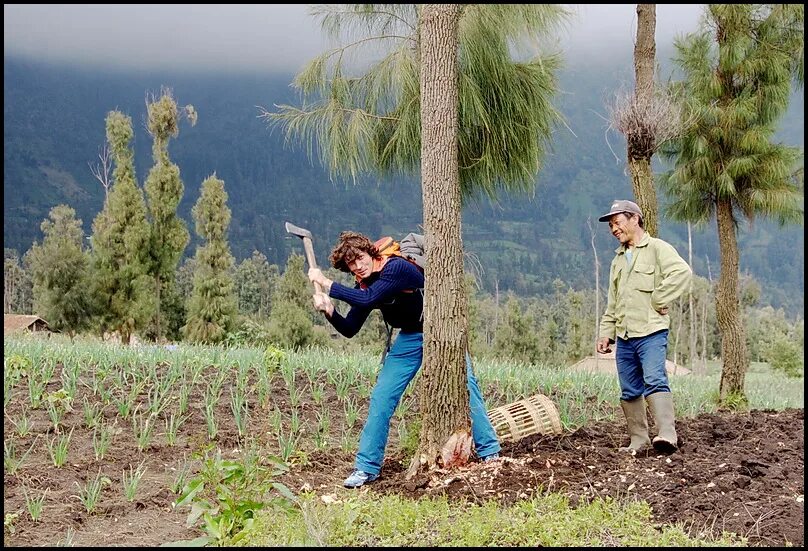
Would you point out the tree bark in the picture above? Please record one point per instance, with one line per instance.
(679, 311)
(597, 290)
(444, 394)
(727, 307)
(640, 147)
(496, 312)
(690, 305)
(704, 335)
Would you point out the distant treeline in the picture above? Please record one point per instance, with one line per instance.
(54, 127)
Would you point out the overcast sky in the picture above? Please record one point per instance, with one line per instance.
(241, 36)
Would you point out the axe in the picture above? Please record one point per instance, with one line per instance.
(305, 235)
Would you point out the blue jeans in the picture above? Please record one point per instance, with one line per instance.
(641, 365)
(400, 366)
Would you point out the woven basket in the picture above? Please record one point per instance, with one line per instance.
(534, 415)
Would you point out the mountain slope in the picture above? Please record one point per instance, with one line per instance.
(54, 126)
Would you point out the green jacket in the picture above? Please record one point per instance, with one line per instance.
(656, 277)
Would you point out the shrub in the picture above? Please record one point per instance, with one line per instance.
(785, 356)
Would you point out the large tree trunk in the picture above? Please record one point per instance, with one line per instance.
(444, 394)
(727, 307)
(641, 145)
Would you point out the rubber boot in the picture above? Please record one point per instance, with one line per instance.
(637, 422)
(662, 407)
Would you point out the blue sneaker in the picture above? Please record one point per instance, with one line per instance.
(492, 457)
(359, 478)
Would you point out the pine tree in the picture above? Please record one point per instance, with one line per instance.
(17, 286)
(738, 75)
(121, 242)
(291, 322)
(451, 100)
(213, 306)
(60, 272)
(164, 190)
(516, 336)
(255, 278)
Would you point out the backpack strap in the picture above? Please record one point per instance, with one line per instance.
(387, 345)
(386, 247)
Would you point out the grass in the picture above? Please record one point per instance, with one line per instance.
(351, 520)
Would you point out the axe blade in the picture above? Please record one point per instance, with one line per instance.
(298, 231)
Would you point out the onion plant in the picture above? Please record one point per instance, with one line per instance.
(102, 438)
(143, 426)
(34, 504)
(173, 424)
(351, 412)
(12, 463)
(58, 450)
(92, 413)
(24, 425)
(317, 393)
(131, 480)
(239, 405)
(90, 493)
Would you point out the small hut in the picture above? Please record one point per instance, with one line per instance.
(13, 323)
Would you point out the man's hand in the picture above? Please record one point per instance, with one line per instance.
(604, 346)
(663, 311)
(316, 276)
(322, 303)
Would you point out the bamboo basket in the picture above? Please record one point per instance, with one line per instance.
(534, 415)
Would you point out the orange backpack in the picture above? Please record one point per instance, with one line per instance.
(410, 248)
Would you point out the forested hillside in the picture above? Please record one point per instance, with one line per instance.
(54, 126)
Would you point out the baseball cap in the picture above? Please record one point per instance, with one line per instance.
(621, 205)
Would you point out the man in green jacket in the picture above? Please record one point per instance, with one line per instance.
(646, 276)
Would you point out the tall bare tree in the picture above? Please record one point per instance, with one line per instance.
(647, 118)
(597, 286)
(101, 171)
(691, 308)
(641, 145)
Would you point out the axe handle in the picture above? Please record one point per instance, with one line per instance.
(310, 259)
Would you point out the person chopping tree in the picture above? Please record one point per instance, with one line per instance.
(387, 281)
(646, 276)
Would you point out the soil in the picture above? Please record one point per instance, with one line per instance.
(738, 472)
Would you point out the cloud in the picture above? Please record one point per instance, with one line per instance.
(234, 36)
(252, 37)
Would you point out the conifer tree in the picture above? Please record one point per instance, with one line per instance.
(290, 322)
(738, 75)
(255, 278)
(60, 272)
(164, 190)
(17, 287)
(121, 242)
(213, 305)
(516, 335)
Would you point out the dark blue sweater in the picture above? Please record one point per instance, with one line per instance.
(395, 290)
